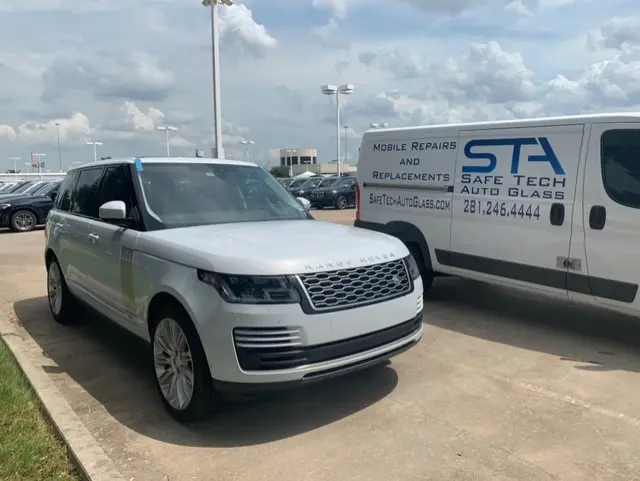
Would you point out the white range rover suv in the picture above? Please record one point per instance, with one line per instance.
(227, 275)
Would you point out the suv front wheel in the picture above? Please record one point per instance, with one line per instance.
(181, 369)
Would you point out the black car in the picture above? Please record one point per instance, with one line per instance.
(305, 189)
(340, 194)
(22, 213)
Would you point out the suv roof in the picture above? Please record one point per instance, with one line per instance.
(163, 160)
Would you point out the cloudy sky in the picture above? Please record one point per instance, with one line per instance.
(111, 70)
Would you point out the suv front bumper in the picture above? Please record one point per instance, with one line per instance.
(321, 345)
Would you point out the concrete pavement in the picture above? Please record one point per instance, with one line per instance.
(502, 387)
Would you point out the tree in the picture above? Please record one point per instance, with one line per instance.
(281, 171)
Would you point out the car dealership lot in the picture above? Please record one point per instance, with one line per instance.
(502, 386)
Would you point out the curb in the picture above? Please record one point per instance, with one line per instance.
(84, 451)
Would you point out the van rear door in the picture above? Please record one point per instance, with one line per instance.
(513, 205)
(611, 215)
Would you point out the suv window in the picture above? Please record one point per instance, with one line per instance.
(116, 185)
(620, 156)
(63, 201)
(84, 198)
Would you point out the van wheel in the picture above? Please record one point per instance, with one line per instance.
(181, 370)
(341, 202)
(23, 221)
(63, 305)
(426, 274)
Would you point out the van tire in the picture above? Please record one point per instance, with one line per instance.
(426, 274)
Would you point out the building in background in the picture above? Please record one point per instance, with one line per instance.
(293, 157)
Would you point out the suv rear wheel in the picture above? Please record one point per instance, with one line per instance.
(341, 202)
(61, 302)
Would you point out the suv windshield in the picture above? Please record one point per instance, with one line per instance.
(311, 183)
(188, 194)
(18, 188)
(47, 188)
(297, 183)
(34, 188)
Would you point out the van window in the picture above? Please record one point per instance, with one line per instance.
(84, 198)
(620, 155)
(63, 201)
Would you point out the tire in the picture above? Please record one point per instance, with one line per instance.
(199, 400)
(63, 306)
(23, 221)
(426, 274)
(342, 202)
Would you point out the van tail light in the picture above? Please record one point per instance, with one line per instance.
(358, 192)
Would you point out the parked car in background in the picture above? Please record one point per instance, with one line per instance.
(341, 193)
(305, 189)
(23, 213)
(296, 183)
(26, 189)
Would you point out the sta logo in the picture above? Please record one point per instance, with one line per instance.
(490, 161)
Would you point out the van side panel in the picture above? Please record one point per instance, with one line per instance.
(406, 181)
(512, 205)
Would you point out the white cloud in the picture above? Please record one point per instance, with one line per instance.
(338, 8)
(517, 7)
(75, 129)
(237, 22)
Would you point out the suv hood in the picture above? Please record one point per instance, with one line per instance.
(272, 248)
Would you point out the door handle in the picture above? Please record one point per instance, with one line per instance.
(94, 238)
(556, 216)
(597, 217)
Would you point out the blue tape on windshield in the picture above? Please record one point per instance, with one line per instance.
(139, 167)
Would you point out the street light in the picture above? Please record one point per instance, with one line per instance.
(345, 89)
(218, 150)
(95, 150)
(247, 153)
(166, 129)
(59, 151)
(15, 165)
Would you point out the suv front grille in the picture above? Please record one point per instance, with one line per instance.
(344, 288)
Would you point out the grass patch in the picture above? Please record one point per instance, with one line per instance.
(29, 448)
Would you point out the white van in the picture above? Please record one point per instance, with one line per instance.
(550, 205)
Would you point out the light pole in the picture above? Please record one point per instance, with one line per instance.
(166, 129)
(290, 152)
(247, 145)
(95, 150)
(346, 150)
(59, 151)
(15, 165)
(345, 89)
(218, 150)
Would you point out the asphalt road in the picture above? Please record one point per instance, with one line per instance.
(502, 387)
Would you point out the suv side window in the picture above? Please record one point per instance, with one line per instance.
(620, 157)
(63, 200)
(84, 198)
(116, 184)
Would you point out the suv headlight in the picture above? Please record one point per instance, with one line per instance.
(241, 289)
(412, 267)
(4, 206)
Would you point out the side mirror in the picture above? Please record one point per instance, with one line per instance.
(114, 212)
(305, 203)
(53, 195)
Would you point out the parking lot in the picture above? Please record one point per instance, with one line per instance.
(502, 386)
